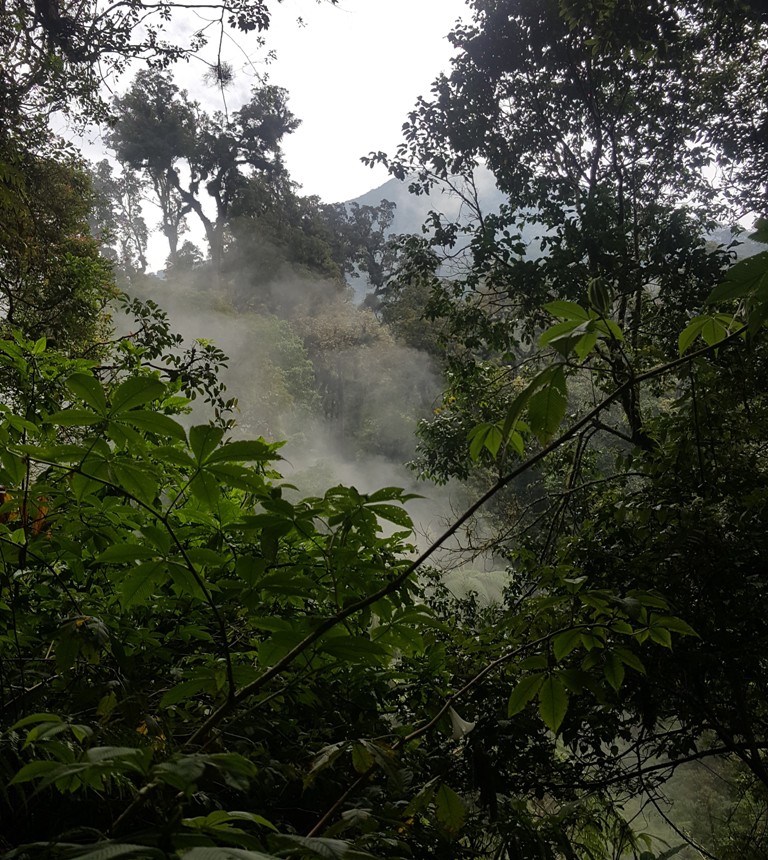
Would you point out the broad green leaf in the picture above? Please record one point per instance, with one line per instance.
(362, 758)
(516, 443)
(393, 514)
(75, 418)
(585, 344)
(324, 759)
(126, 552)
(174, 456)
(713, 331)
(139, 583)
(32, 719)
(35, 770)
(614, 670)
(565, 642)
(89, 389)
(422, 798)
(110, 850)
(157, 536)
(219, 853)
(155, 422)
(185, 581)
(745, 278)
(661, 635)
(484, 436)
(523, 693)
(187, 690)
(609, 328)
(760, 233)
(689, 334)
(449, 809)
(567, 310)
(630, 659)
(355, 649)
(203, 440)
(135, 478)
(518, 405)
(221, 816)
(206, 489)
(136, 391)
(389, 494)
(182, 773)
(546, 408)
(553, 702)
(676, 625)
(208, 557)
(558, 331)
(242, 451)
(325, 849)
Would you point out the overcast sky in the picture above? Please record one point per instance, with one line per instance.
(353, 73)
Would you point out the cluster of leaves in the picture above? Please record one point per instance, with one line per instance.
(182, 633)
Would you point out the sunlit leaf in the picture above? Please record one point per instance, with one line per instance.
(136, 391)
(89, 389)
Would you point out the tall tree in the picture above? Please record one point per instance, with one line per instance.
(187, 154)
(117, 218)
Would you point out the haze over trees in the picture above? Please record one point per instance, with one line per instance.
(200, 659)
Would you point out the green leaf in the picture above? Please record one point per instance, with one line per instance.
(135, 478)
(760, 231)
(221, 816)
(354, 648)
(546, 408)
(484, 436)
(203, 440)
(585, 344)
(218, 853)
(182, 772)
(126, 552)
(140, 582)
(614, 670)
(689, 334)
(35, 770)
(32, 719)
(325, 758)
(206, 489)
(630, 659)
(567, 310)
(553, 702)
(449, 809)
(745, 278)
(523, 693)
(565, 642)
(155, 422)
(610, 329)
(187, 690)
(676, 625)
(558, 331)
(242, 451)
(136, 391)
(661, 636)
(75, 418)
(89, 389)
(185, 581)
(362, 758)
(110, 850)
(393, 514)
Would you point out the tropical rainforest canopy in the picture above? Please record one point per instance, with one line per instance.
(200, 659)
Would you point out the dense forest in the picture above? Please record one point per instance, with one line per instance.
(224, 633)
